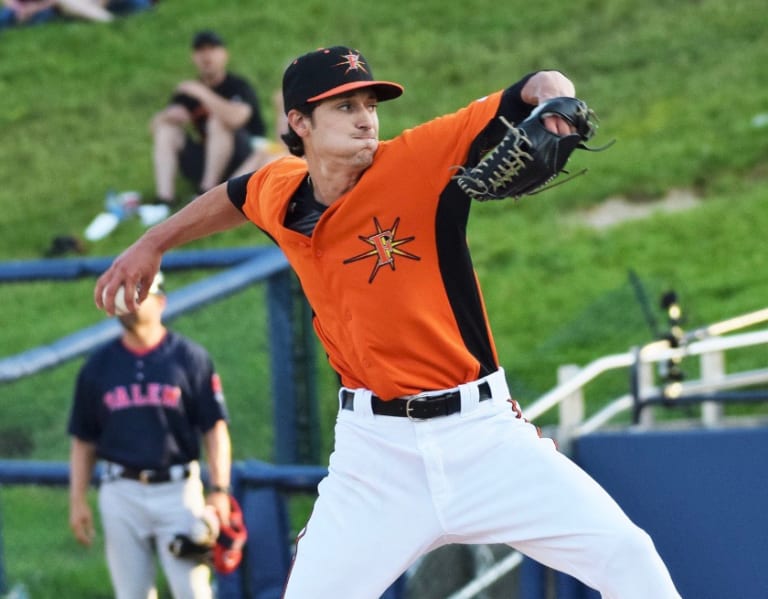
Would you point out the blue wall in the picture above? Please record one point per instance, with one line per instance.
(702, 495)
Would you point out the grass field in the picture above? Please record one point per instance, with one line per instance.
(679, 85)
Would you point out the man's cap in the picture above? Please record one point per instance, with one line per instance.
(207, 38)
(329, 72)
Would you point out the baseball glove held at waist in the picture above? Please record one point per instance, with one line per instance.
(529, 156)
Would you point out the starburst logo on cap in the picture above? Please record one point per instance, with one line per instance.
(352, 62)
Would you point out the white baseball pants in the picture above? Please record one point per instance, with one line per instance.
(139, 522)
(397, 489)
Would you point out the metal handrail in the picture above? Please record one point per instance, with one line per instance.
(590, 372)
(657, 351)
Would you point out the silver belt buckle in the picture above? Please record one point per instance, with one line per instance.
(408, 408)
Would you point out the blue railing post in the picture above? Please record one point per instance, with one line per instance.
(283, 388)
(293, 384)
(3, 583)
(397, 590)
(570, 588)
(533, 579)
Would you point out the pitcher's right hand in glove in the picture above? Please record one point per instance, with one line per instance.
(529, 156)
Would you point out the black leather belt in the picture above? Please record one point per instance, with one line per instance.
(148, 477)
(416, 408)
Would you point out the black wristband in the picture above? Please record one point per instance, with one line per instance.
(220, 489)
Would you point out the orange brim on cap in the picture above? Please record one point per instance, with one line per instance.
(385, 90)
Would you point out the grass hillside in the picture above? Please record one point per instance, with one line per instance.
(679, 85)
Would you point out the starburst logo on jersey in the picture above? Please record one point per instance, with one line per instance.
(352, 62)
(385, 247)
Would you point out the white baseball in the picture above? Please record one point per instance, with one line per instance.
(205, 528)
(120, 306)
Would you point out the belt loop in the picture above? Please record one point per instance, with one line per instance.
(362, 403)
(497, 381)
(178, 472)
(470, 397)
(110, 472)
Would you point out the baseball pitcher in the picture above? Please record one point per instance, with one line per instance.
(430, 448)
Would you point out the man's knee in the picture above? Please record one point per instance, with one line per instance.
(217, 129)
(632, 544)
(634, 563)
(168, 138)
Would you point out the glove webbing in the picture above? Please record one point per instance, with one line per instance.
(498, 167)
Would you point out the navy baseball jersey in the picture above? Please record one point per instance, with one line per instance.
(147, 410)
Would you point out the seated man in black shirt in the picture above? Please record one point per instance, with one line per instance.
(210, 126)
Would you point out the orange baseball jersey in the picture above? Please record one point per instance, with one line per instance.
(387, 270)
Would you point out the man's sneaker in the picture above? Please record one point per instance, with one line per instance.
(151, 214)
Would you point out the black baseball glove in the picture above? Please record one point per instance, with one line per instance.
(222, 549)
(183, 546)
(529, 156)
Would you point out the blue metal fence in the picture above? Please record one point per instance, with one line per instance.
(291, 357)
(292, 380)
(262, 490)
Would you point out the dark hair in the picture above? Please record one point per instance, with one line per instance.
(291, 139)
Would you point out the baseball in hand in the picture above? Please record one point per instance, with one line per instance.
(205, 529)
(120, 307)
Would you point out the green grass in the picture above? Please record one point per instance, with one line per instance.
(49, 563)
(677, 84)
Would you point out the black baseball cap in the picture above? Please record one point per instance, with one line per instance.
(328, 72)
(207, 38)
